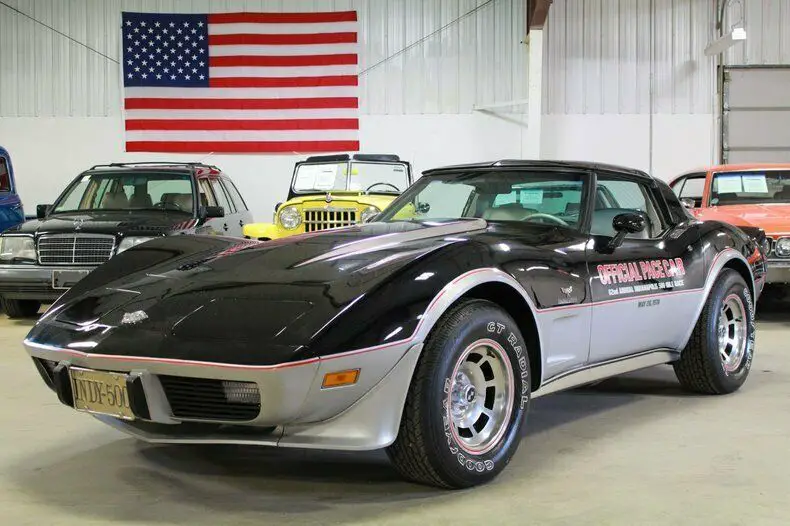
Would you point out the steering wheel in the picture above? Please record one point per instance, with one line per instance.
(164, 206)
(367, 190)
(550, 217)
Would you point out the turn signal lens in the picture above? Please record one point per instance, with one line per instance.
(340, 378)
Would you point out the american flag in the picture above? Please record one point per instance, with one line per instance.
(241, 82)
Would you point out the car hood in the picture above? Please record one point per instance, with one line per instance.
(106, 222)
(774, 218)
(279, 292)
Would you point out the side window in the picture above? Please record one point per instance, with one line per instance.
(222, 199)
(233, 207)
(692, 188)
(625, 196)
(5, 177)
(206, 195)
(235, 195)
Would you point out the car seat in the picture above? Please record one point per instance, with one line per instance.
(116, 199)
(509, 212)
(140, 198)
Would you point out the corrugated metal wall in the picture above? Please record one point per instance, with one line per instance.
(475, 60)
(767, 24)
(599, 57)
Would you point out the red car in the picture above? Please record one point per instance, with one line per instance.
(745, 195)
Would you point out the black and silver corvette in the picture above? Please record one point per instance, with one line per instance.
(426, 331)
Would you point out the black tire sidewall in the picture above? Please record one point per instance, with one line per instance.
(730, 283)
(465, 469)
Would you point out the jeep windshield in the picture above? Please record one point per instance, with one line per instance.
(351, 176)
(124, 191)
(742, 188)
(540, 197)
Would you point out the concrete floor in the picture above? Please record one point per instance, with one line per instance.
(633, 450)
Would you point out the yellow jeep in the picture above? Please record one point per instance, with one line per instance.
(332, 191)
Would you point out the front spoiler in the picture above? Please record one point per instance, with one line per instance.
(295, 410)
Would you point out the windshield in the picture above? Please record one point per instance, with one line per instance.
(128, 191)
(737, 188)
(538, 197)
(355, 176)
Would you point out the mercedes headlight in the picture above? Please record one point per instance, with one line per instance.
(131, 241)
(368, 214)
(17, 248)
(782, 247)
(290, 217)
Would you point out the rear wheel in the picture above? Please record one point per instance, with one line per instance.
(719, 354)
(467, 401)
(20, 308)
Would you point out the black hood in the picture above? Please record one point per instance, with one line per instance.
(132, 222)
(198, 297)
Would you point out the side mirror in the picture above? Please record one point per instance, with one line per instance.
(687, 202)
(41, 211)
(208, 212)
(624, 224)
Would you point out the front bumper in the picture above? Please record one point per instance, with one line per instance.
(295, 411)
(33, 282)
(778, 272)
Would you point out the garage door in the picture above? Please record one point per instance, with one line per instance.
(756, 120)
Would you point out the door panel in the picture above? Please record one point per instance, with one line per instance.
(639, 292)
(229, 223)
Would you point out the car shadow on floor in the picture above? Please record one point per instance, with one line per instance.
(165, 483)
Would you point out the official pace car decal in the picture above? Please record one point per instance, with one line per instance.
(642, 276)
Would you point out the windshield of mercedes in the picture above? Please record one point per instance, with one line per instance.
(171, 192)
(539, 197)
(740, 188)
(354, 176)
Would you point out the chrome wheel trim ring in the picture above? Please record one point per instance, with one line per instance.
(732, 332)
(481, 396)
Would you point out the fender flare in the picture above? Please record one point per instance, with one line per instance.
(462, 284)
(717, 265)
(261, 230)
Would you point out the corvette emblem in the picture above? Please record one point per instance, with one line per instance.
(567, 290)
(328, 198)
(78, 223)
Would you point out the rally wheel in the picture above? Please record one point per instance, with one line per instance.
(467, 401)
(719, 354)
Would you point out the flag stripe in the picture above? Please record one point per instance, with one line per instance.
(282, 61)
(241, 135)
(241, 104)
(281, 29)
(327, 49)
(241, 82)
(283, 82)
(282, 18)
(242, 146)
(282, 40)
(266, 71)
(241, 124)
(294, 113)
(241, 93)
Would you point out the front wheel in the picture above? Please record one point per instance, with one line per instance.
(467, 401)
(20, 308)
(719, 354)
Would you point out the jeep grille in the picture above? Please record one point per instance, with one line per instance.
(323, 218)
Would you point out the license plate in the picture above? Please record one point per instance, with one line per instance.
(65, 279)
(100, 392)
